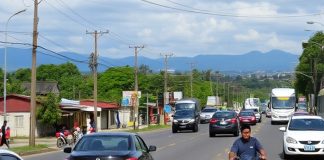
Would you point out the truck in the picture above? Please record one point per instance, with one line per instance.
(254, 104)
(186, 116)
(213, 101)
(282, 104)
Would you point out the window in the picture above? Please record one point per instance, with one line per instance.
(19, 121)
(142, 144)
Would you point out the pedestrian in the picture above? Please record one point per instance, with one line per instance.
(3, 134)
(247, 147)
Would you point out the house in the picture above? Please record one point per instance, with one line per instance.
(80, 112)
(18, 114)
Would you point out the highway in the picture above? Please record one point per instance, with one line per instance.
(199, 146)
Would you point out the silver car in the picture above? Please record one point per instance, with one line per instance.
(206, 114)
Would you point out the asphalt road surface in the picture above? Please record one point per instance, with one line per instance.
(188, 145)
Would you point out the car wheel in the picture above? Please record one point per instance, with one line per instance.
(174, 130)
(211, 134)
(285, 156)
(236, 133)
(201, 122)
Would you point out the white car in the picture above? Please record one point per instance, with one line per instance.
(9, 155)
(207, 113)
(304, 135)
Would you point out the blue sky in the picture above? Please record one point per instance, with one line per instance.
(182, 27)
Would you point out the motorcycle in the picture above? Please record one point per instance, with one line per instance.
(64, 138)
(77, 134)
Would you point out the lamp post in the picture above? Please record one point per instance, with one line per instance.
(313, 22)
(5, 66)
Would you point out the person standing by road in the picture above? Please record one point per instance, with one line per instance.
(247, 147)
(3, 134)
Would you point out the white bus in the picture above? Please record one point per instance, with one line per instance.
(282, 104)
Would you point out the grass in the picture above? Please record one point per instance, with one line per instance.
(150, 128)
(22, 150)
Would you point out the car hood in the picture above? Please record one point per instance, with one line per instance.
(306, 135)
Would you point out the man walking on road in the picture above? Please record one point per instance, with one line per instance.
(247, 147)
(3, 134)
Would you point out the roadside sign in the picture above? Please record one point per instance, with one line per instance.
(167, 108)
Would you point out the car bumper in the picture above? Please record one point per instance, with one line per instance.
(223, 129)
(298, 149)
(248, 122)
(183, 126)
(280, 118)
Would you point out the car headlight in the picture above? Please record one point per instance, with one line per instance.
(291, 140)
(175, 121)
(275, 116)
(192, 120)
(323, 142)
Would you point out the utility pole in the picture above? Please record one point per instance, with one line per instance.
(135, 107)
(211, 84)
(33, 80)
(166, 56)
(191, 77)
(93, 66)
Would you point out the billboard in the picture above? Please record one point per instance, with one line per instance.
(129, 98)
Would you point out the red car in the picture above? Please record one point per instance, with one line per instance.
(247, 117)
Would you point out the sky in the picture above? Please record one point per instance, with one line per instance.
(184, 28)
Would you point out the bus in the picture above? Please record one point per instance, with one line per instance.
(282, 104)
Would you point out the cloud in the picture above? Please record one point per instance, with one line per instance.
(252, 35)
(146, 32)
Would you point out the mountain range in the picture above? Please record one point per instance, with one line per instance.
(254, 61)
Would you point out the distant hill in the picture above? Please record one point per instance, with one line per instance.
(274, 60)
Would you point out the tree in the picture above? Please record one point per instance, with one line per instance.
(311, 65)
(49, 112)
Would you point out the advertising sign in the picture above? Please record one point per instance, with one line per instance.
(129, 98)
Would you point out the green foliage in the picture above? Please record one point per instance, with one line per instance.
(49, 112)
(113, 81)
(311, 65)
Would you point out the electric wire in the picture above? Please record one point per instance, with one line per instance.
(227, 14)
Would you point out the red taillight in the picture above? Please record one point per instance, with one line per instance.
(213, 120)
(240, 118)
(132, 158)
(233, 120)
(253, 118)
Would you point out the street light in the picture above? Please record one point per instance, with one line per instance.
(313, 22)
(5, 67)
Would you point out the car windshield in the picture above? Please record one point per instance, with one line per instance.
(104, 142)
(180, 106)
(246, 114)
(283, 102)
(224, 115)
(209, 110)
(184, 114)
(307, 124)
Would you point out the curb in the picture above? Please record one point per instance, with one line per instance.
(37, 152)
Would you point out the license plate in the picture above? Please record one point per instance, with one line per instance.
(309, 148)
(223, 123)
(182, 126)
(207, 116)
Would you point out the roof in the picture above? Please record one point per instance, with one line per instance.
(306, 117)
(101, 104)
(42, 87)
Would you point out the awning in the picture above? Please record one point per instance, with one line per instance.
(90, 109)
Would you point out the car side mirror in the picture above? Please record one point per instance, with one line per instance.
(283, 129)
(152, 148)
(67, 150)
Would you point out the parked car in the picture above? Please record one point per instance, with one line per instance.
(9, 155)
(206, 114)
(115, 145)
(304, 135)
(224, 122)
(185, 120)
(247, 117)
(257, 114)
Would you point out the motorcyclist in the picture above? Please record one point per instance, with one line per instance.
(63, 135)
(247, 147)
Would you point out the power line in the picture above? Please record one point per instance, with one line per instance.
(227, 14)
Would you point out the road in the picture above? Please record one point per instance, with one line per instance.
(199, 146)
